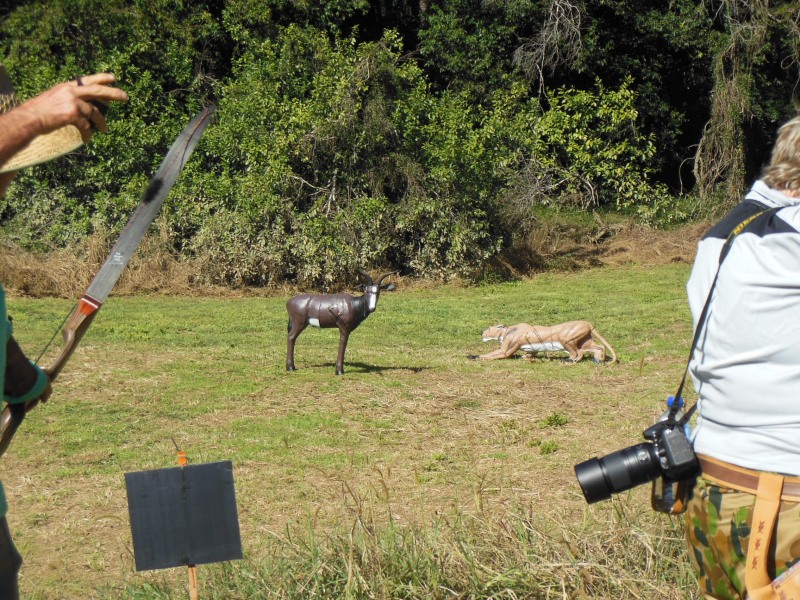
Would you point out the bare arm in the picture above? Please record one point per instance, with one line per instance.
(67, 103)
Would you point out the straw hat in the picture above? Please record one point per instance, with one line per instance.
(42, 148)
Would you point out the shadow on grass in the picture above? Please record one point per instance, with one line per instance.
(543, 358)
(359, 367)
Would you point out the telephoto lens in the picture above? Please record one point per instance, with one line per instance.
(618, 471)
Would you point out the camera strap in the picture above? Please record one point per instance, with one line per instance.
(701, 321)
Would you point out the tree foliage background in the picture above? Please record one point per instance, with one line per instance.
(424, 136)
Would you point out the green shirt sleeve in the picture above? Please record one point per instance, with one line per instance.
(5, 333)
(34, 392)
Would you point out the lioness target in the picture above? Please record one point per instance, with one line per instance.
(574, 337)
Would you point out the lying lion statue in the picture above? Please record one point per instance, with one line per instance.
(574, 337)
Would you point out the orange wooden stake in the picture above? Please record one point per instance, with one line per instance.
(182, 462)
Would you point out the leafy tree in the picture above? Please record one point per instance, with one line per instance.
(468, 45)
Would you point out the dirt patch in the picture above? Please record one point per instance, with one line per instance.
(572, 247)
(649, 247)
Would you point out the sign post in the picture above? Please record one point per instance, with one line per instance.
(183, 516)
(182, 462)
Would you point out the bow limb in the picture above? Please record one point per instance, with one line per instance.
(73, 331)
(76, 326)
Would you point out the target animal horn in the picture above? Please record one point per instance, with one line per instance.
(343, 311)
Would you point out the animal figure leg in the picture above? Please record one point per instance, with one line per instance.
(343, 337)
(295, 329)
(500, 353)
(575, 353)
(344, 334)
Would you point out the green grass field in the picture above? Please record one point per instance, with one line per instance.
(417, 474)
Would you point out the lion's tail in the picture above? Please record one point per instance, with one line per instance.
(596, 334)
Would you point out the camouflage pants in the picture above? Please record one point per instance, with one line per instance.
(718, 532)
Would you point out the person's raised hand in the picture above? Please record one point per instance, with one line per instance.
(74, 103)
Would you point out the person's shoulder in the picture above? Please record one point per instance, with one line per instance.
(738, 215)
(787, 221)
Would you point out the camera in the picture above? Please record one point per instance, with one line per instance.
(667, 453)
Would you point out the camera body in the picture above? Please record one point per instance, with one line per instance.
(667, 453)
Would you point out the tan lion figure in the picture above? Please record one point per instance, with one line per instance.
(574, 337)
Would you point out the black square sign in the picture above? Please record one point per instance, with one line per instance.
(183, 516)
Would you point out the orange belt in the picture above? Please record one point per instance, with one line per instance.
(742, 479)
(770, 489)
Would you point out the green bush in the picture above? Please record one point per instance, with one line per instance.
(336, 155)
(592, 141)
(335, 148)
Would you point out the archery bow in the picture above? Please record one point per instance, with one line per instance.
(84, 313)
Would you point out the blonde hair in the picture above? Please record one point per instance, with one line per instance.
(783, 171)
